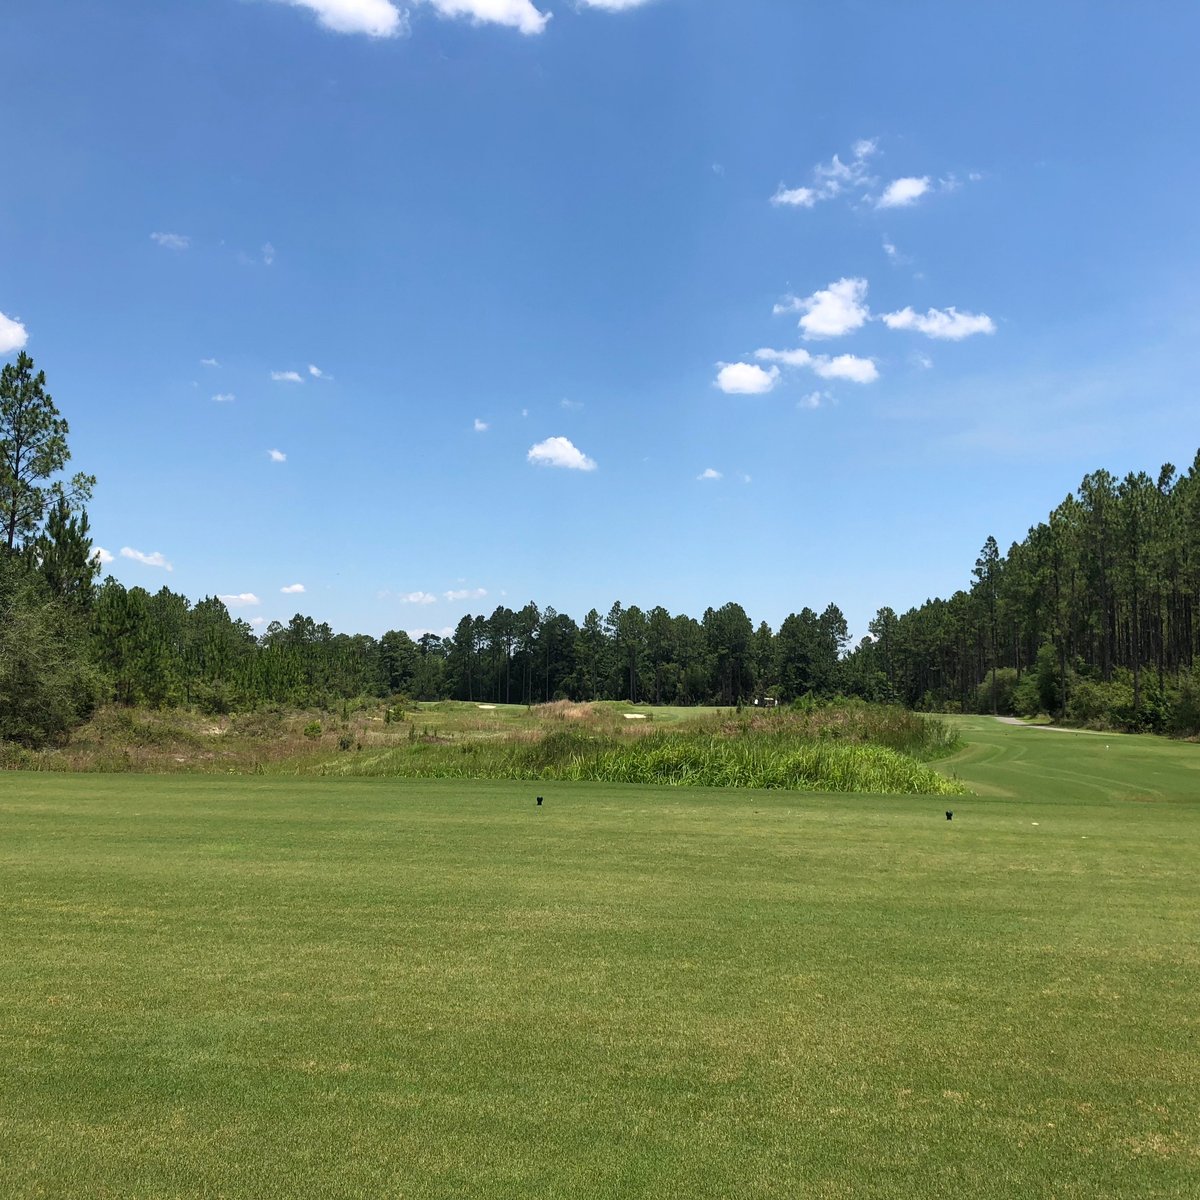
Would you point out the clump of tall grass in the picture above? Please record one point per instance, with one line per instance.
(731, 754)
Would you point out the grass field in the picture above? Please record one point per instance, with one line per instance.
(377, 988)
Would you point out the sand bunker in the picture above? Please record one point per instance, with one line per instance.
(634, 716)
(485, 706)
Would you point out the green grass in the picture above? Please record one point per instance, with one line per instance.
(391, 988)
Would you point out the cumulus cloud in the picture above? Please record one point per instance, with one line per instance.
(902, 192)
(465, 594)
(293, 589)
(224, 398)
(830, 312)
(846, 366)
(316, 372)
(418, 598)
(812, 400)
(745, 379)
(102, 556)
(417, 634)
(481, 426)
(946, 324)
(277, 456)
(148, 560)
(257, 621)
(516, 14)
(843, 366)
(560, 452)
(709, 473)
(241, 600)
(13, 335)
(375, 18)
(171, 241)
(287, 377)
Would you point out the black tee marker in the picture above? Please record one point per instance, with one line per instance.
(539, 800)
(949, 816)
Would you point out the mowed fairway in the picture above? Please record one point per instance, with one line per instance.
(363, 988)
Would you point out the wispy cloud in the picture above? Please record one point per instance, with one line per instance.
(102, 556)
(830, 179)
(946, 324)
(13, 335)
(481, 426)
(268, 254)
(560, 452)
(709, 473)
(241, 600)
(417, 598)
(224, 398)
(209, 362)
(570, 405)
(900, 193)
(293, 589)
(614, 5)
(148, 560)
(277, 456)
(375, 18)
(830, 312)
(287, 377)
(812, 400)
(317, 373)
(171, 241)
(458, 594)
(745, 379)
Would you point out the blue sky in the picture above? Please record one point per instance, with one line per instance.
(429, 307)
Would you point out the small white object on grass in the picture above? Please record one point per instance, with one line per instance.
(1035, 822)
(634, 716)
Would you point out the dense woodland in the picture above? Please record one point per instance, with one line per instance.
(1094, 617)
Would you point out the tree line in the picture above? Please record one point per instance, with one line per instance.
(1092, 617)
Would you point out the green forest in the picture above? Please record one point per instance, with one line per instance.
(1092, 618)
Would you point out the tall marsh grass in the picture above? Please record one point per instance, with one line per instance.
(859, 749)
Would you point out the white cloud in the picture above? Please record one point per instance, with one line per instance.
(287, 377)
(801, 197)
(923, 361)
(257, 621)
(560, 452)
(148, 560)
(946, 324)
(418, 598)
(831, 179)
(171, 241)
(745, 379)
(375, 18)
(209, 362)
(516, 14)
(268, 253)
(277, 456)
(709, 473)
(830, 312)
(465, 594)
(13, 335)
(481, 426)
(241, 600)
(812, 400)
(224, 398)
(102, 556)
(293, 589)
(844, 366)
(418, 634)
(890, 250)
(316, 372)
(902, 192)
(614, 5)
(570, 405)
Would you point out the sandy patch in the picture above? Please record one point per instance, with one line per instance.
(485, 706)
(634, 716)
